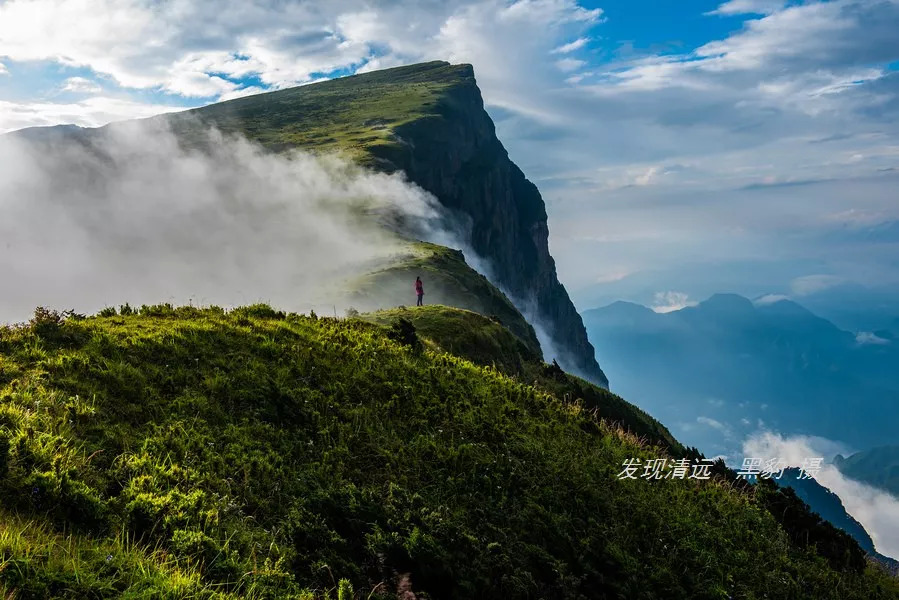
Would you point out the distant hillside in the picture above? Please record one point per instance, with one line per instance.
(194, 453)
(854, 307)
(878, 467)
(714, 371)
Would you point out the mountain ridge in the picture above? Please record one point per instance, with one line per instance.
(737, 363)
(427, 120)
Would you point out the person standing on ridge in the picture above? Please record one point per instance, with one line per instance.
(419, 291)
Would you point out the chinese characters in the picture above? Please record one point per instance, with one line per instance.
(683, 468)
(666, 468)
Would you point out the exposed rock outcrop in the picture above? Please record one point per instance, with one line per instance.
(456, 155)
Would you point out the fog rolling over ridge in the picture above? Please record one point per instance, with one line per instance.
(127, 214)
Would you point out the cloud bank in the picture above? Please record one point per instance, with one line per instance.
(131, 215)
(739, 158)
(876, 510)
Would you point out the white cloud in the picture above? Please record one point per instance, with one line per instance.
(3, 69)
(770, 299)
(241, 92)
(740, 7)
(864, 338)
(570, 64)
(665, 302)
(876, 510)
(80, 85)
(131, 215)
(613, 274)
(553, 12)
(571, 46)
(812, 284)
(748, 109)
(90, 112)
(718, 425)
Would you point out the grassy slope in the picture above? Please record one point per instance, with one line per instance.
(350, 115)
(448, 280)
(487, 342)
(254, 454)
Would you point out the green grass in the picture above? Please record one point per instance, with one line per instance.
(349, 115)
(448, 280)
(487, 342)
(267, 455)
(464, 333)
(38, 562)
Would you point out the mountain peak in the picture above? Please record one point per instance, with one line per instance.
(729, 303)
(785, 307)
(427, 121)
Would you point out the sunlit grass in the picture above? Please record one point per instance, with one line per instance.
(198, 453)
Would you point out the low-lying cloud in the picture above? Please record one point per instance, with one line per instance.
(129, 214)
(666, 302)
(875, 509)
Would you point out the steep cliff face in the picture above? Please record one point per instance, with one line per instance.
(454, 153)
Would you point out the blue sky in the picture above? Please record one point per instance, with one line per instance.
(681, 147)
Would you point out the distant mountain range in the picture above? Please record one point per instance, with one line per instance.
(878, 467)
(857, 308)
(829, 506)
(719, 370)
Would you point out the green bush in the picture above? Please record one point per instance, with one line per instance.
(403, 332)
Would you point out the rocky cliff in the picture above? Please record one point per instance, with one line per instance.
(454, 153)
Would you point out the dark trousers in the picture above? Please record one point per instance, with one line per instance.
(420, 303)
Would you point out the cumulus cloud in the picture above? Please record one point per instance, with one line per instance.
(133, 216)
(876, 510)
(740, 7)
(571, 46)
(570, 64)
(864, 338)
(666, 302)
(801, 94)
(714, 424)
(770, 299)
(90, 112)
(80, 85)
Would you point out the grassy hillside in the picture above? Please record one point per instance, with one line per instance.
(351, 115)
(187, 453)
(485, 341)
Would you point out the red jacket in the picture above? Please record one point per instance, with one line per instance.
(419, 288)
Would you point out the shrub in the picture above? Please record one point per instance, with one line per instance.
(554, 371)
(157, 310)
(403, 332)
(46, 322)
(50, 325)
(344, 590)
(259, 311)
